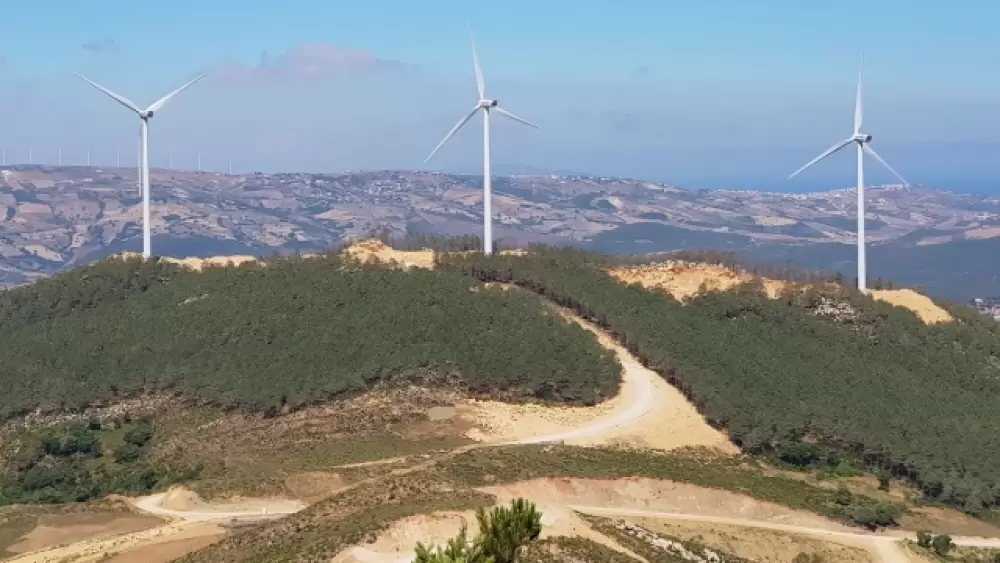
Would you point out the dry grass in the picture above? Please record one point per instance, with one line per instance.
(284, 455)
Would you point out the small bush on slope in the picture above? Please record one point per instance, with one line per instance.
(879, 386)
(294, 332)
(504, 532)
(72, 463)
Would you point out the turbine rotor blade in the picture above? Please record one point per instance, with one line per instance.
(116, 97)
(828, 152)
(872, 152)
(858, 109)
(158, 104)
(480, 83)
(510, 115)
(451, 133)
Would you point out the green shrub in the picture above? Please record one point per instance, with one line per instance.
(70, 440)
(139, 435)
(799, 454)
(942, 544)
(503, 534)
(842, 495)
(128, 453)
(883, 480)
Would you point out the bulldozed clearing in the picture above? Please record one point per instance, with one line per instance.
(686, 280)
(555, 499)
(374, 249)
(766, 546)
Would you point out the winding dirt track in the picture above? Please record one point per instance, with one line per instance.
(885, 544)
(639, 405)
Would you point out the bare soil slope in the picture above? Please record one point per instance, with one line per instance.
(71, 528)
(555, 499)
(685, 280)
(198, 264)
(766, 546)
(916, 302)
(99, 549)
(366, 250)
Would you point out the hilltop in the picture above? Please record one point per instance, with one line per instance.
(742, 348)
(217, 334)
(54, 218)
(366, 382)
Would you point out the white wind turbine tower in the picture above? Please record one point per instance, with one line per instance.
(863, 142)
(144, 116)
(487, 105)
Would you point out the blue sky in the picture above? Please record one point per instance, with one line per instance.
(703, 94)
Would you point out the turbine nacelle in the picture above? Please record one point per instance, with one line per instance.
(861, 138)
(487, 104)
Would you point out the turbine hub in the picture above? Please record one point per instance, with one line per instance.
(487, 104)
(862, 138)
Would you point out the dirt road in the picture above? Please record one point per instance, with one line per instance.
(262, 509)
(648, 412)
(884, 544)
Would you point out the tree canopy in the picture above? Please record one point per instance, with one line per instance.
(503, 534)
(296, 331)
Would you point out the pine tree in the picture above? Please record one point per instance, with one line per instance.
(503, 533)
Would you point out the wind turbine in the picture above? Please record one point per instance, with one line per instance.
(863, 141)
(144, 116)
(487, 105)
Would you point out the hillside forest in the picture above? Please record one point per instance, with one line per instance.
(864, 380)
(263, 339)
(857, 379)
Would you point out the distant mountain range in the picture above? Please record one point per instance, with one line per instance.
(55, 217)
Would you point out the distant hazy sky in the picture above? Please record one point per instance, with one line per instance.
(724, 93)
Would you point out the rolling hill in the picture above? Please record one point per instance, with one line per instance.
(864, 379)
(54, 218)
(237, 375)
